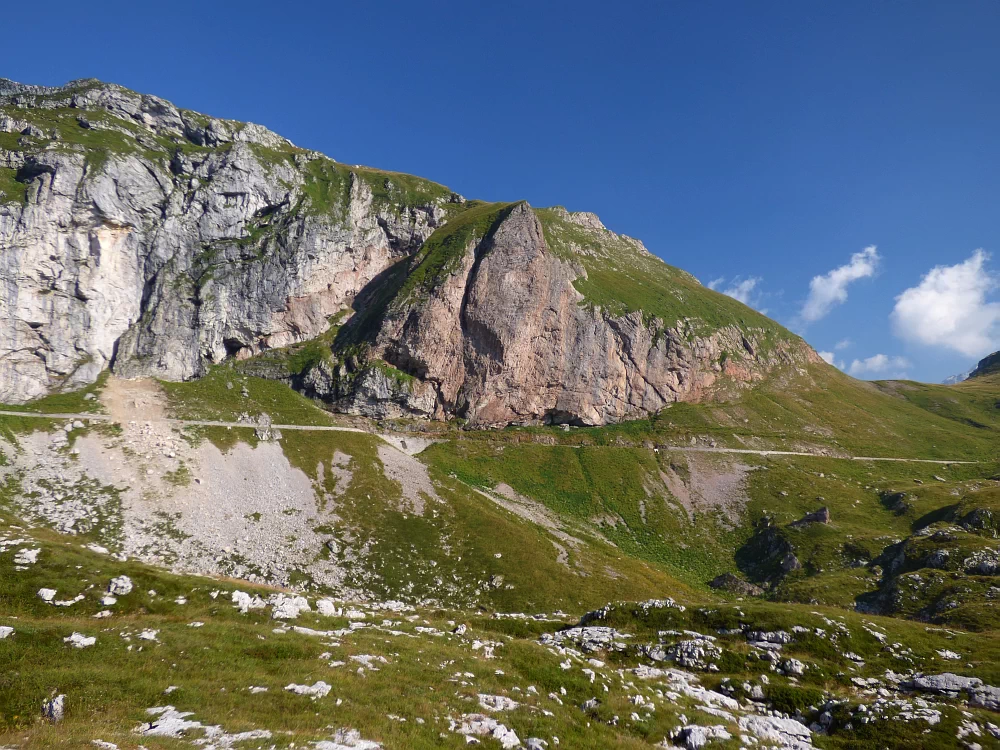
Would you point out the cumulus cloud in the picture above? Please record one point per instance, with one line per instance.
(744, 290)
(830, 289)
(950, 308)
(880, 364)
(831, 359)
(843, 344)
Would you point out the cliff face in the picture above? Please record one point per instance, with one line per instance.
(505, 337)
(159, 241)
(989, 365)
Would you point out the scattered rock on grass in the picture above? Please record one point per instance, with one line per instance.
(79, 640)
(347, 739)
(319, 690)
(497, 702)
(733, 584)
(120, 586)
(54, 709)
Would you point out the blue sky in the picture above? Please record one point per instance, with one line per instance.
(770, 141)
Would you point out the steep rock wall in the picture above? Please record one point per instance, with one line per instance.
(161, 256)
(506, 339)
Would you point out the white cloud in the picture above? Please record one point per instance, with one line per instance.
(744, 290)
(879, 364)
(949, 308)
(829, 290)
(843, 344)
(831, 359)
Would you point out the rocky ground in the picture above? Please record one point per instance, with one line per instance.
(281, 670)
(392, 596)
(152, 491)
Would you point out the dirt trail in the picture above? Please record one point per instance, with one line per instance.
(126, 400)
(141, 400)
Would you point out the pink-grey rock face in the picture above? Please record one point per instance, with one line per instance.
(505, 339)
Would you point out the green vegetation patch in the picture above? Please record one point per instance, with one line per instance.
(84, 400)
(11, 191)
(400, 190)
(442, 253)
(101, 136)
(218, 395)
(622, 278)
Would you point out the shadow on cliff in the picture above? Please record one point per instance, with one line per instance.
(370, 306)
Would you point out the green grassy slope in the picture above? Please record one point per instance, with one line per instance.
(429, 676)
(815, 408)
(463, 548)
(622, 278)
(972, 403)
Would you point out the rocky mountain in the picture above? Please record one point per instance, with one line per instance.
(987, 366)
(159, 242)
(957, 378)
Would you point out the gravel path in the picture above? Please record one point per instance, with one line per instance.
(392, 439)
(179, 422)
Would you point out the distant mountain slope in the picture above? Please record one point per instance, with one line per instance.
(987, 366)
(160, 241)
(958, 378)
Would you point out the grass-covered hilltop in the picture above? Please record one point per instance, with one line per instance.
(304, 454)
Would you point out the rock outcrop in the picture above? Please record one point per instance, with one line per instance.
(506, 337)
(157, 242)
(987, 366)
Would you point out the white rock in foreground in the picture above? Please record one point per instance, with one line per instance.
(785, 733)
(26, 556)
(347, 739)
(244, 602)
(54, 709)
(327, 608)
(288, 607)
(497, 702)
(120, 586)
(6, 632)
(319, 690)
(479, 725)
(79, 640)
(174, 723)
(46, 595)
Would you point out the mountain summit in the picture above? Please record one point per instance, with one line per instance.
(158, 241)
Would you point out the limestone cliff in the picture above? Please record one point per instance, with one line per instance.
(158, 242)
